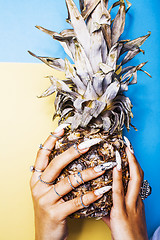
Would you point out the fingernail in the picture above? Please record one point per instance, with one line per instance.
(104, 166)
(89, 143)
(60, 127)
(102, 190)
(118, 161)
(129, 145)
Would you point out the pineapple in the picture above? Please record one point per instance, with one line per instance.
(91, 99)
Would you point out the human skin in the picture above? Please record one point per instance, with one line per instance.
(127, 218)
(50, 209)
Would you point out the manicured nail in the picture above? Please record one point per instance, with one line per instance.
(102, 190)
(105, 166)
(89, 143)
(118, 161)
(129, 145)
(60, 127)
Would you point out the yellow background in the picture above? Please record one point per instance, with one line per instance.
(26, 121)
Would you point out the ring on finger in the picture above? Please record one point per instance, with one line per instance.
(85, 206)
(80, 176)
(76, 179)
(145, 190)
(41, 180)
(56, 192)
(33, 169)
(55, 136)
(70, 183)
(41, 147)
(76, 148)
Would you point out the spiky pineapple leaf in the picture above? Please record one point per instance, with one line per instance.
(86, 116)
(97, 108)
(62, 36)
(132, 70)
(90, 93)
(115, 123)
(131, 54)
(114, 55)
(118, 24)
(57, 85)
(78, 104)
(105, 68)
(48, 92)
(56, 63)
(70, 73)
(81, 4)
(65, 113)
(128, 5)
(111, 92)
(88, 7)
(66, 41)
(136, 43)
(106, 123)
(79, 25)
(82, 64)
(97, 82)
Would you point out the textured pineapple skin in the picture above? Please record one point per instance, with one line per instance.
(98, 154)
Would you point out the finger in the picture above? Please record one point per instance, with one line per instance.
(58, 163)
(61, 161)
(69, 183)
(43, 154)
(78, 203)
(117, 186)
(135, 181)
(117, 190)
(42, 184)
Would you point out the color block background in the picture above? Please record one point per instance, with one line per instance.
(26, 120)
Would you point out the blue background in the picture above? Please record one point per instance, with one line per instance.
(17, 35)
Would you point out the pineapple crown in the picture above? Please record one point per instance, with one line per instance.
(92, 95)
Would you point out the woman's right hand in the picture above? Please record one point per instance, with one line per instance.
(49, 207)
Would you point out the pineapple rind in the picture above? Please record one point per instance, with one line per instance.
(103, 152)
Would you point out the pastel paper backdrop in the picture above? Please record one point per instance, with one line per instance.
(26, 121)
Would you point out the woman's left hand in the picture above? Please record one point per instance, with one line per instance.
(127, 216)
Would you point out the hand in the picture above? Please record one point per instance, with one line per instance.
(50, 209)
(127, 216)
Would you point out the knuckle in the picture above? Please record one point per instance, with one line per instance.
(34, 194)
(138, 180)
(55, 166)
(88, 174)
(32, 182)
(89, 198)
(77, 203)
(41, 203)
(118, 191)
(91, 173)
(117, 213)
(72, 152)
(53, 214)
